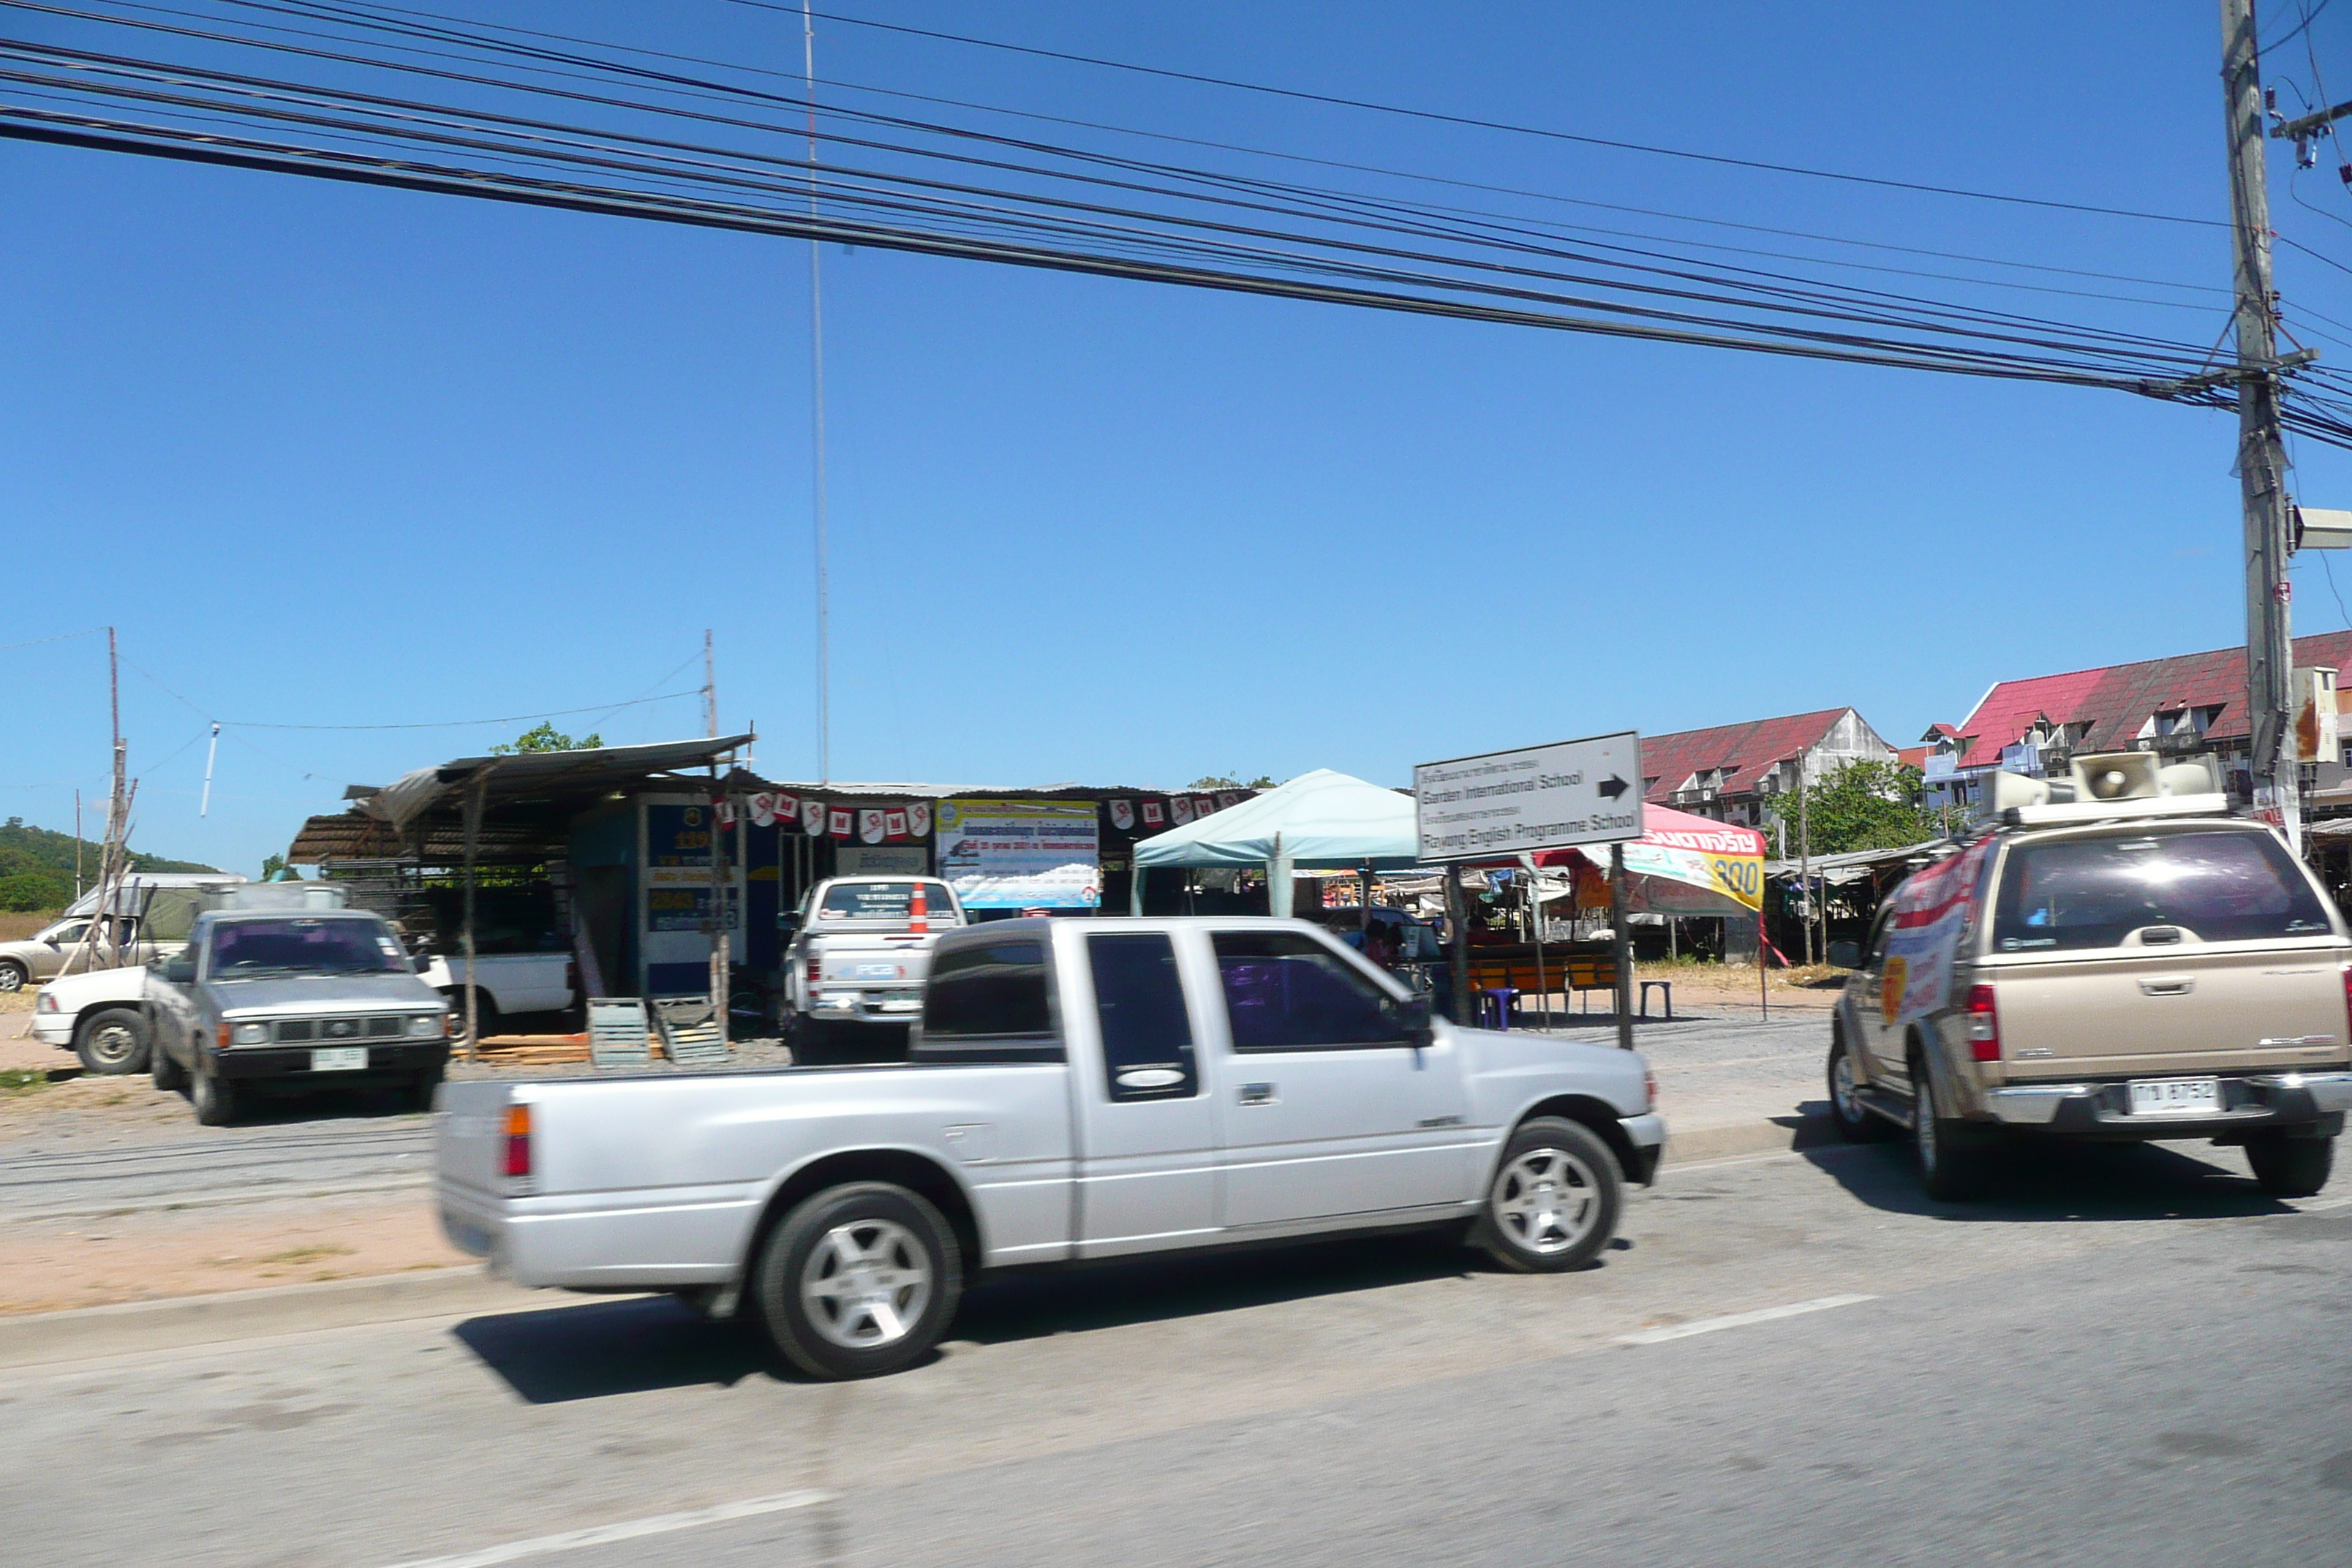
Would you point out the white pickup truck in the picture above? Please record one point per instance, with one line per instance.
(854, 970)
(1079, 1090)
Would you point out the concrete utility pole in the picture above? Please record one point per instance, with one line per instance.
(2261, 453)
(1805, 857)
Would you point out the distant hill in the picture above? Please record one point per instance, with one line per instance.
(37, 866)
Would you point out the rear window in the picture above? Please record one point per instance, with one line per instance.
(881, 900)
(2093, 892)
(991, 992)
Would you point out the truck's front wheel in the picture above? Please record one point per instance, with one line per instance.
(1554, 1200)
(2291, 1167)
(858, 1280)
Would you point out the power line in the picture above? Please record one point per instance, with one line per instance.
(1478, 123)
(61, 636)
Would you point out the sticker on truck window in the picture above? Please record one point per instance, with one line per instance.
(1931, 912)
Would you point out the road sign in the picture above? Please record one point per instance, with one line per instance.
(1505, 803)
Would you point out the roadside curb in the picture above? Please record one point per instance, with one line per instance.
(176, 1322)
(1779, 1135)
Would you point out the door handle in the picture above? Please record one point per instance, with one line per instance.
(1255, 1093)
(2170, 985)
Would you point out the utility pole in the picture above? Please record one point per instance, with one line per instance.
(816, 429)
(709, 688)
(2261, 453)
(118, 809)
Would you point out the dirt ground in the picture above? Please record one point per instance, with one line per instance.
(49, 1265)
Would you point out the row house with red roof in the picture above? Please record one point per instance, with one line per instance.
(1734, 773)
(2189, 705)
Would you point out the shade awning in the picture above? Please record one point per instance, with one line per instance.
(1323, 819)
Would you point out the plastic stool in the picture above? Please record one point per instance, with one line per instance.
(1497, 1000)
(1667, 986)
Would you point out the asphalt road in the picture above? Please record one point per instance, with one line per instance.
(2129, 1356)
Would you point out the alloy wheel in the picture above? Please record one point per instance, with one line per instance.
(1545, 1200)
(866, 1284)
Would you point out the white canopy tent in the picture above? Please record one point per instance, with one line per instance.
(1318, 821)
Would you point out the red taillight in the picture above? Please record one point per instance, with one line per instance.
(1984, 1025)
(517, 1139)
(816, 970)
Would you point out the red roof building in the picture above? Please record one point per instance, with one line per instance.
(1731, 771)
(2193, 703)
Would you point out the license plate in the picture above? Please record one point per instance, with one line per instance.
(340, 1058)
(2177, 1097)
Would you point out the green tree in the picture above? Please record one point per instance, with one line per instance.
(1864, 806)
(546, 737)
(271, 865)
(1218, 781)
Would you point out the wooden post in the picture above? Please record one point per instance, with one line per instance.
(1458, 917)
(475, 790)
(1623, 944)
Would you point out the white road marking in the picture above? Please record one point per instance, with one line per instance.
(1739, 1320)
(630, 1530)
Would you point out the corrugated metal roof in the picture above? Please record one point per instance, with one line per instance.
(1747, 751)
(2117, 700)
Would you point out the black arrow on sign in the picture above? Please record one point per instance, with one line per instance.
(1611, 788)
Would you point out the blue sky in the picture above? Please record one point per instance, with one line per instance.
(336, 456)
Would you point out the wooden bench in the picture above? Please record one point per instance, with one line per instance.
(1570, 972)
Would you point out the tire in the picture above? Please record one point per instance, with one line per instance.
(12, 975)
(1951, 1173)
(1554, 1200)
(486, 1009)
(417, 1095)
(2291, 1167)
(169, 1075)
(811, 1040)
(858, 1280)
(1855, 1124)
(215, 1099)
(113, 1040)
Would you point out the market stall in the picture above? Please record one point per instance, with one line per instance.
(1318, 821)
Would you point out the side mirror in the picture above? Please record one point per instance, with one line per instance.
(179, 970)
(1412, 1017)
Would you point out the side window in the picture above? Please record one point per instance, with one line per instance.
(993, 992)
(1286, 992)
(1140, 1001)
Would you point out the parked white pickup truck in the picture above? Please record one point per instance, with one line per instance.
(504, 984)
(854, 970)
(1080, 1089)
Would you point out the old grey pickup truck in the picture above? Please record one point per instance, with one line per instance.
(1078, 1089)
(293, 999)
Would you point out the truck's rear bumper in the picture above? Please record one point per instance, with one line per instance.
(678, 1237)
(2250, 1102)
(1647, 1134)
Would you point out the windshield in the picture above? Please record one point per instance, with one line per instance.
(293, 945)
(2092, 892)
(882, 901)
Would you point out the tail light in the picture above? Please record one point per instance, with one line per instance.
(517, 1139)
(1649, 1090)
(816, 972)
(1984, 1025)
(572, 975)
(2347, 1000)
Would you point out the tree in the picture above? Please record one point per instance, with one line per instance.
(271, 865)
(546, 737)
(1862, 805)
(1217, 781)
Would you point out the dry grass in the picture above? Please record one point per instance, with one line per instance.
(14, 926)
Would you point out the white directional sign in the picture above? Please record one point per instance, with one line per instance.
(1503, 804)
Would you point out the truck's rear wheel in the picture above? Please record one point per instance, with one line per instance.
(1554, 1200)
(858, 1280)
(1952, 1172)
(113, 1040)
(2291, 1167)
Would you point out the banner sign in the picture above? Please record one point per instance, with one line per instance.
(1923, 937)
(1542, 797)
(1153, 816)
(1020, 854)
(1122, 815)
(677, 872)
